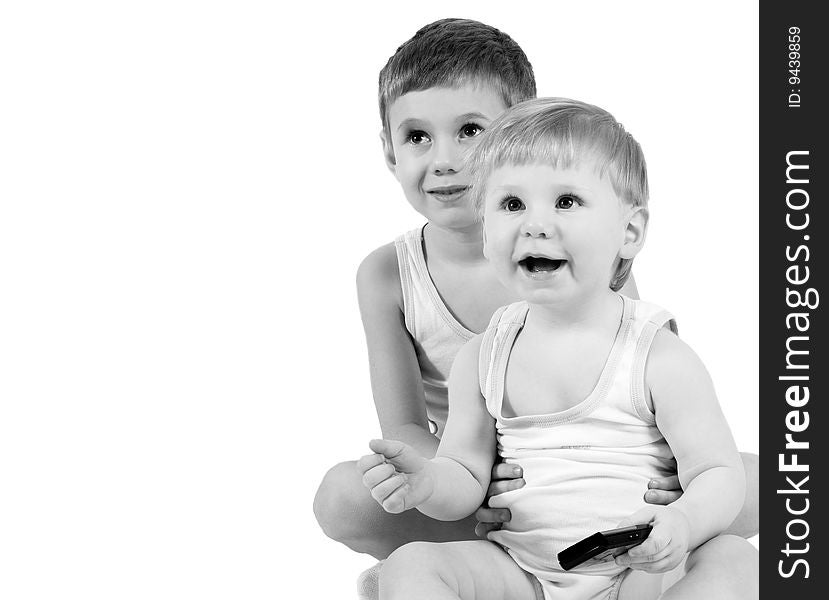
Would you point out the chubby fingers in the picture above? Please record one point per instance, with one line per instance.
(369, 461)
(388, 493)
(654, 555)
(377, 474)
(385, 484)
(662, 565)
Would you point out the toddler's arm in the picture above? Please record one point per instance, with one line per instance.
(664, 490)
(689, 416)
(710, 468)
(396, 382)
(453, 484)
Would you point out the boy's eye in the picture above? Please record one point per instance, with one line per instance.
(417, 138)
(566, 202)
(513, 204)
(471, 130)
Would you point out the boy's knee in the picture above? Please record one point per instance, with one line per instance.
(413, 554)
(414, 560)
(337, 501)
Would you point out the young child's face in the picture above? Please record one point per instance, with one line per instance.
(553, 234)
(431, 132)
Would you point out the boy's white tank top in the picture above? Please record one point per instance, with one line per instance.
(436, 334)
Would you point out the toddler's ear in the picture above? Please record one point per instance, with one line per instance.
(635, 232)
(388, 152)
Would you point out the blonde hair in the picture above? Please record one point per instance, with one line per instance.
(560, 132)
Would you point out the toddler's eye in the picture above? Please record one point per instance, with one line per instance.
(513, 204)
(471, 130)
(417, 138)
(566, 202)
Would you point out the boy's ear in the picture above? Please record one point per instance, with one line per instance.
(635, 232)
(388, 152)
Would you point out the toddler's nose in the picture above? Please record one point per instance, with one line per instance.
(537, 227)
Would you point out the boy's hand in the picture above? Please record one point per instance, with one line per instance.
(396, 475)
(663, 490)
(505, 477)
(666, 545)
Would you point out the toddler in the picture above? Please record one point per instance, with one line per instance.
(589, 392)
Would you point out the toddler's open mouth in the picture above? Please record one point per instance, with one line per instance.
(541, 264)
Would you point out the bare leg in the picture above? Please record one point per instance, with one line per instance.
(639, 585)
(348, 514)
(477, 570)
(724, 568)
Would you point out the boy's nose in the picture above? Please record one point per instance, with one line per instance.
(446, 159)
(443, 167)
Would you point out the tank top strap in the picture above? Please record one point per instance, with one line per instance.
(494, 352)
(419, 291)
(649, 318)
(485, 352)
(407, 267)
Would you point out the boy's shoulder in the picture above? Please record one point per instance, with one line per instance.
(378, 276)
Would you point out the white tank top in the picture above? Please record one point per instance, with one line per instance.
(586, 468)
(436, 334)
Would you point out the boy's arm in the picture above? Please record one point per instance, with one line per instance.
(396, 382)
(689, 416)
(451, 485)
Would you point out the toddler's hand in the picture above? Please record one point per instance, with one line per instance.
(505, 477)
(666, 545)
(396, 475)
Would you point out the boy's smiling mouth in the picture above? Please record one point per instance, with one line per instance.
(447, 193)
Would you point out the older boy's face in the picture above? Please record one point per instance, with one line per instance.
(553, 234)
(431, 132)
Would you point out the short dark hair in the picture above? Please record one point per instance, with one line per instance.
(453, 52)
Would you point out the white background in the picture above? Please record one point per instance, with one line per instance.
(187, 190)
